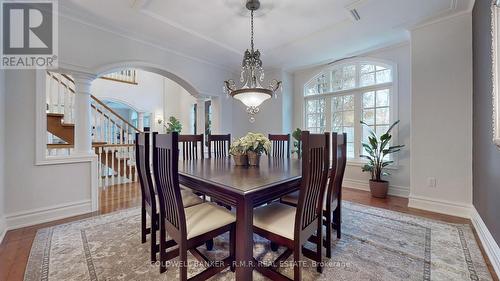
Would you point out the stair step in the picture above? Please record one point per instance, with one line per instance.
(55, 115)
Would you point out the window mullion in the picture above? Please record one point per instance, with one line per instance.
(358, 111)
(328, 113)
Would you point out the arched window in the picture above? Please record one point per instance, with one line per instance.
(341, 96)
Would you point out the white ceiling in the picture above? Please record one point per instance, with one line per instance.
(290, 33)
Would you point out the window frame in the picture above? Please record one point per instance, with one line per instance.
(495, 63)
(357, 92)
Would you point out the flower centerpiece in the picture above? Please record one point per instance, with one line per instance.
(250, 147)
(238, 150)
(258, 144)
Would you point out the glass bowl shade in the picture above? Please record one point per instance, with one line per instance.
(252, 97)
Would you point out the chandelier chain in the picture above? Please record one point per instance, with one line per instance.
(251, 26)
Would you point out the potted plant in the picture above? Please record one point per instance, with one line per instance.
(238, 150)
(377, 149)
(297, 145)
(174, 125)
(257, 144)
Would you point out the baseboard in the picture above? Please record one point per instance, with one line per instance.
(440, 206)
(3, 228)
(489, 244)
(41, 215)
(394, 190)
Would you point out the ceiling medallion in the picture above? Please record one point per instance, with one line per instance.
(251, 93)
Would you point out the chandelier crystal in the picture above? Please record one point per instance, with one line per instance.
(251, 92)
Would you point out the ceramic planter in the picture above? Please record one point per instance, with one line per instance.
(253, 158)
(379, 188)
(240, 160)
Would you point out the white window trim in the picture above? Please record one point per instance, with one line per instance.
(495, 50)
(394, 103)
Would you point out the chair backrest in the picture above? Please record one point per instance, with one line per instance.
(280, 146)
(166, 174)
(191, 146)
(143, 162)
(218, 145)
(315, 165)
(339, 157)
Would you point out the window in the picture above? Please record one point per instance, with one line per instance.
(343, 95)
(193, 119)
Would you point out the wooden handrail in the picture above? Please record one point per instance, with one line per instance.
(114, 113)
(98, 101)
(67, 145)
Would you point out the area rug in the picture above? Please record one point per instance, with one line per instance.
(376, 244)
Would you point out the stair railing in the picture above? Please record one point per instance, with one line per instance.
(112, 136)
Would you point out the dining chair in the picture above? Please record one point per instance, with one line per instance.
(219, 145)
(192, 147)
(149, 202)
(280, 146)
(188, 227)
(291, 226)
(332, 203)
(333, 210)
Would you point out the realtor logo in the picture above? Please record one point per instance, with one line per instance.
(29, 34)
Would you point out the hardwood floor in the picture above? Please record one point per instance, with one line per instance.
(15, 248)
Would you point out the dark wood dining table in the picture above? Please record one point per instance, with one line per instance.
(244, 188)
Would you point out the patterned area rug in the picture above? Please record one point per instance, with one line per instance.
(376, 245)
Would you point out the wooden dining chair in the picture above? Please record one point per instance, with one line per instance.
(188, 227)
(219, 145)
(333, 208)
(149, 204)
(332, 203)
(291, 226)
(192, 147)
(280, 146)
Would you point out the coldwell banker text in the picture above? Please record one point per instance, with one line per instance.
(29, 34)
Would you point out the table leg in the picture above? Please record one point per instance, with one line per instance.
(244, 239)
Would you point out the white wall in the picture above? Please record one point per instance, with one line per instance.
(3, 225)
(442, 115)
(36, 193)
(153, 94)
(354, 177)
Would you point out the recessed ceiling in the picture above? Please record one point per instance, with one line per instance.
(290, 34)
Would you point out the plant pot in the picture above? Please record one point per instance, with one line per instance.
(379, 188)
(240, 160)
(253, 158)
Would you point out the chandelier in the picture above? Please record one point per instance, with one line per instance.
(251, 93)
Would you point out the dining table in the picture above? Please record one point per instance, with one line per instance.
(244, 188)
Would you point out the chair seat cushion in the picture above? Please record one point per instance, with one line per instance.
(276, 218)
(293, 198)
(188, 199)
(205, 217)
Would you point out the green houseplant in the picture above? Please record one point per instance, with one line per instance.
(377, 150)
(297, 144)
(174, 125)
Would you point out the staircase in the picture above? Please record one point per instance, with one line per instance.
(112, 136)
